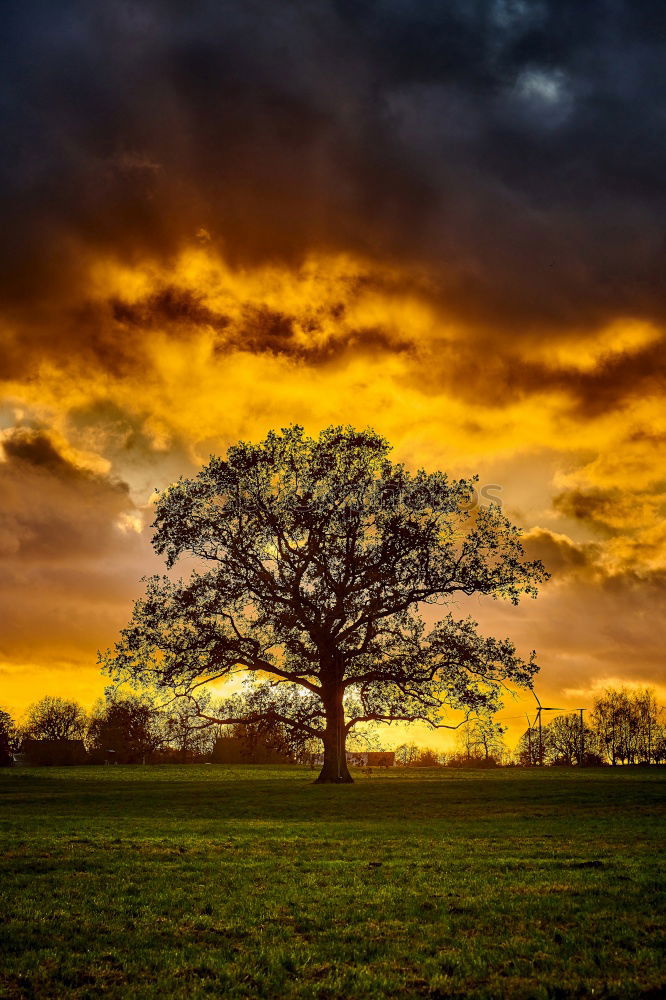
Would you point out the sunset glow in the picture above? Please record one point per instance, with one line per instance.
(220, 241)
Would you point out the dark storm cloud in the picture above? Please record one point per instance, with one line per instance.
(70, 553)
(562, 557)
(607, 631)
(506, 375)
(317, 335)
(170, 306)
(51, 508)
(514, 147)
(35, 449)
(598, 508)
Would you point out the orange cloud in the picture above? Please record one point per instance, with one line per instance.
(164, 364)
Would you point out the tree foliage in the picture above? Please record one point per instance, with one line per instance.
(53, 718)
(564, 741)
(186, 731)
(407, 754)
(481, 741)
(8, 738)
(314, 561)
(126, 726)
(629, 726)
(625, 727)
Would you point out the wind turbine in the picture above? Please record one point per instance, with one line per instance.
(542, 708)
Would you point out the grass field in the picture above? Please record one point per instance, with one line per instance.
(252, 882)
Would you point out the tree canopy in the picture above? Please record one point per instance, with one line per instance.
(126, 726)
(53, 718)
(8, 738)
(314, 561)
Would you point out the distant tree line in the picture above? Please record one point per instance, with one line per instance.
(480, 744)
(128, 729)
(623, 727)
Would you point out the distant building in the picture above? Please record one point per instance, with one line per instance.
(56, 753)
(372, 758)
(236, 750)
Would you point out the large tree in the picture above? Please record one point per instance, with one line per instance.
(314, 562)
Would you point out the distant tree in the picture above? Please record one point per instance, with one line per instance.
(261, 710)
(562, 740)
(407, 754)
(659, 746)
(609, 719)
(427, 758)
(482, 739)
(55, 719)
(8, 738)
(411, 755)
(628, 726)
(527, 751)
(649, 722)
(128, 726)
(185, 732)
(315, 557)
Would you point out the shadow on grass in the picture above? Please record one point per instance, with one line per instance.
(189, 794)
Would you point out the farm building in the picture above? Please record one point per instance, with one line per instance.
(372, 758)
(236, 750)
(41, 753)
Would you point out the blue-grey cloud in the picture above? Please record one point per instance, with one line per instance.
(514, 147)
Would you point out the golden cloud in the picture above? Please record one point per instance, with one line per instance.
(163, 364)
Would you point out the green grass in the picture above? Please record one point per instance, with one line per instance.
(253, 882)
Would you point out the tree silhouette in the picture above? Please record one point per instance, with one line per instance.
(628, 726)
(127, 726)
(186, 732)
(482, 740)
(53, 718)
(315, 559)
(8, 738)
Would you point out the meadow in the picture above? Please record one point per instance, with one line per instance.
(213, 881)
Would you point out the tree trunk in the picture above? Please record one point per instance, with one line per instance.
(335, 770)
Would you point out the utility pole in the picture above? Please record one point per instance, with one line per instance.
(649, 739)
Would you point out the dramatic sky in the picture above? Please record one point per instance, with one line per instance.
(444, 220)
